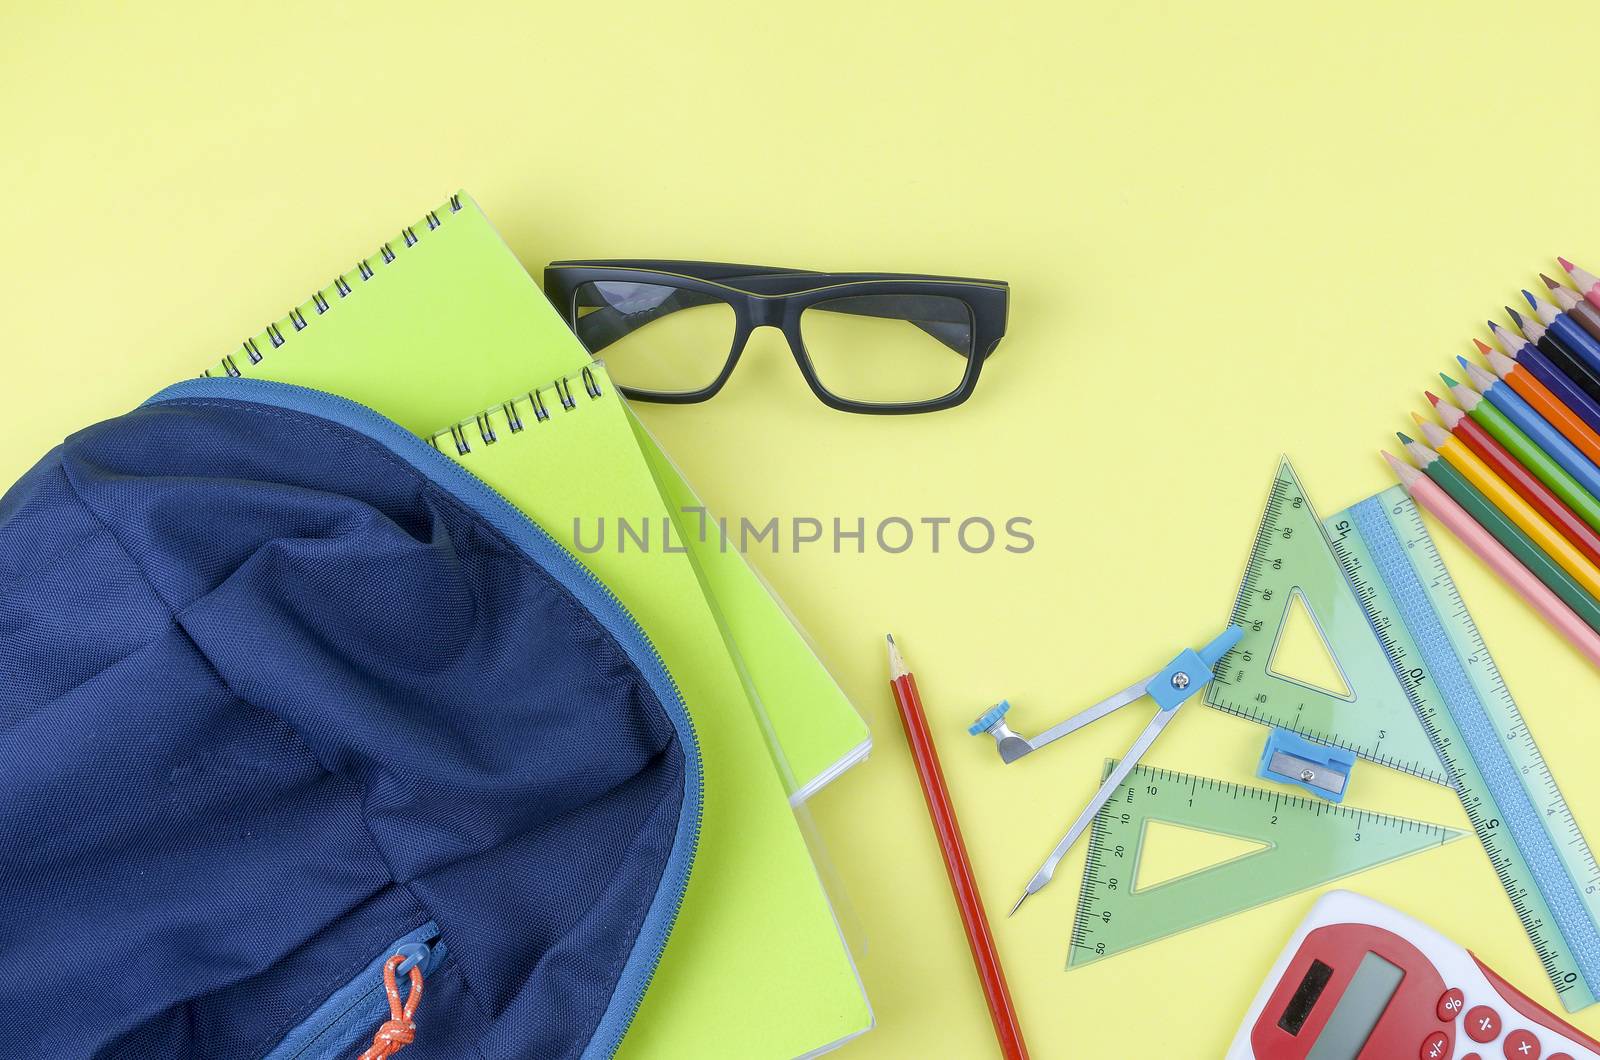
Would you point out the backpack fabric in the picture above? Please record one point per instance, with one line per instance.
(282, 688)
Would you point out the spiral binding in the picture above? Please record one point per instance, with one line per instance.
(280, 332)
(519, 411)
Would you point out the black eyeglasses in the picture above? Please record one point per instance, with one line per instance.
(865, 342)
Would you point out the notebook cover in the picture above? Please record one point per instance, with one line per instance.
(756, 953)
(449, 283)
(810, 717)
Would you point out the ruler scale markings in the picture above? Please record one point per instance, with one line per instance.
(1530, 908)
(1293, 557)
(1468, 690)
(1524, 751)
(1114, 913)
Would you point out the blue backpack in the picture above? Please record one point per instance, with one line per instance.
(285, 693)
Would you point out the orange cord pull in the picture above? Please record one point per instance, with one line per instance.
(400, 1029)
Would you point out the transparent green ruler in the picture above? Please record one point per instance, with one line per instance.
(1292, 562)
(1299, 843)
(1488, 752)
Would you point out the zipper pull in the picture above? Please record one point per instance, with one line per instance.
(416, 955)
(400, 1029)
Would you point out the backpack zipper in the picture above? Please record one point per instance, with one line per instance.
(341, 1025)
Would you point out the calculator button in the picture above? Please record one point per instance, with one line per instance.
(1520, 1045)
(1560, 1056)
(1436, 1046)
(1451, 1002)
(1483, 1024)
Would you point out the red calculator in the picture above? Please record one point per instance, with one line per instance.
(1360, 981)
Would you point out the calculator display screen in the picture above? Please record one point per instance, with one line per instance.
(1358, 1010)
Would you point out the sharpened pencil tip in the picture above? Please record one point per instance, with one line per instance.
(1463, 362)
(1483, 347)
(1433, 398)
(1416, 417)
(1548, 282)
(1533, 303)
(1404, 440)
(889, 637)
(897, 664)
(1451, 383)
(1514, 315)
(1565, 264)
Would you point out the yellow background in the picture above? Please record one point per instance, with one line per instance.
(1232, 230)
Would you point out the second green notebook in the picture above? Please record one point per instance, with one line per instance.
(444, 323)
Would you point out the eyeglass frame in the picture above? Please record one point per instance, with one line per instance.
(762, 296)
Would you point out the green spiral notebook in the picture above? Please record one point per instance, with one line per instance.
(444, 321)
(444, 331)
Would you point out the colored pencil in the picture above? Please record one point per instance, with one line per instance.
(1556, 412)
(1433, 500)
(1570, 363)
(1586, 282)
(1533, 423)
(1587, 316)
(1001, 1012)
(1505, 531)
(1535, 450)
(1552, 374)
(1478, 456)
(1539, 531)
(1566, 330)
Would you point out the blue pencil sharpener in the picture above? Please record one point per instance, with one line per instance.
(1314, 768)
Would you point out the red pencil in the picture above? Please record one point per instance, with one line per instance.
(1554, 510)
(1006, 1028)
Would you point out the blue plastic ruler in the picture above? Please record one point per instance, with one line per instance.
(1487, 751)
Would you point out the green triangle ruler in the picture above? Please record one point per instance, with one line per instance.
(1302, 843)
(1293, 562)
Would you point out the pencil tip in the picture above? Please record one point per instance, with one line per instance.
(1416, 417)
(1404, 440)
(1483, 347)
(1463, 362)
(1451, 383)
(1515, 316)
(1431, 396)
(897, 663)
(1565, 264)
(1548, 282)
(1533, 303)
